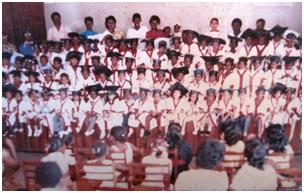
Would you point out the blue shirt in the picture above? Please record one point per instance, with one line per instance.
(25, 49)
(88, 33)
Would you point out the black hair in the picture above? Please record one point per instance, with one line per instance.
(119, 133)
(214, 19)
(111, 17)
(209, 154)
(48, 174)
(55, 143)
(136, 16)
(154, 18)
(88, 19)
(275, 137)
(99, 148)
(255, 152)
(68, 139)
(229, 60)
(57, 59)
(232, 132)
(261, 20)
(173, 137)
(19, 92)
(54, 14)
(236, 20)
(44, 56)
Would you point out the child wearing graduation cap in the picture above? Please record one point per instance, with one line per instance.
(295, 113)
(249, 35)
(216, 48)
(146, 54)
(274, 72)
(160, 54)
(176, 44)
(290, 74)
(122, 81)
(257, 75)
(290, 49)
(113, 110)
(72, 69)
(9, 107)
(113, 64)
(32, 82)
(161, 82)
(203, 42)
(262, 47)
(173, 62)
(198, 81)
(240, 77)
(85, 78)
(276, 45)
(190, 47)
(142, 81)
(232, 51)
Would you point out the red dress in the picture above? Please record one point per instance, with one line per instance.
(154, 34)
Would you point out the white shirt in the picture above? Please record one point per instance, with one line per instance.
(140, 33)
(55, 35)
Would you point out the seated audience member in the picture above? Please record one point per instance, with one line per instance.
(49, 177)
(119, 143)
(57, 154)
(278, 143)
(255, 174)
(204, 176)
(233, 142)
(159, 155)
(176, 141)
(101, 150)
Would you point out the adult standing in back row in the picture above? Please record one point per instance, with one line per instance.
(58, 31)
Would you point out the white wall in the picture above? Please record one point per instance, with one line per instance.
(191, 15)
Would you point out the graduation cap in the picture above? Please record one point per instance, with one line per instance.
(218, 40)
(103, 70)
(74, 35)
(65, 41)
(176, 71)
(157, 61)
(290, 89)
(31, 73)
(87, 42)
(227, 90)
(193, 91)
(95, 57)
(141, 69)
(274, 58)
(96, 88)
(30, 59)
(121, 69)
(203, 37)
(148, 42)
(257, 58)
(213, 73)
(19, 58)
(16, 73)
(278, 30)
(180, 87)
(161, 71)
(242, 90)
(111, 89)
(63, 90)
(85, 68)
(47, 71)
(243, 59)
(249, 33)
(263, 33)
(76, 93)
(9, 88)
(114, 54)
(109, 37)
(132, 40)
(234, 38)
(198, 72)
(211, 91)
(291, 36)
(142, 89)
(212, 59)
(190, 56)
(129, 59)
(157, 91)
(277, 87)
(127, 90)
(171, 53)
(191, 32)
(290, 60)
(73, 54)
(6, 55)
(46, 90)
(260, 89)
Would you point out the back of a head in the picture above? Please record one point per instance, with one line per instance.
(99, 149)
(68, 139)
(232, 134)
(54, 144)
(48, 174)
(275, 138)
(209, 154)
(255, 153)
(173, 137)
(118, 133)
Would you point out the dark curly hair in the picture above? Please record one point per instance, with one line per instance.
(256, 152)
(275, 137)
(99, 148)
(209, 154)
(232, 132)
(48, 174)
(118, 132)
(154, 18)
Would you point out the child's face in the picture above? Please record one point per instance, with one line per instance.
(64, 80)
(121, 76)
(154, 25)
(198, 77)
(43, 60)
(110, 24)
(9, 95)
(193, 97)
(156, 96)
(212, 78)
(241, 65)
(89, 24)
(137, 22)
(176, 94)
(18, 97)
(248, 41)
(273, 65)
(114, 60)
(73, 62)
(210, 97)
(214, 25)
